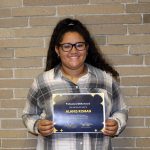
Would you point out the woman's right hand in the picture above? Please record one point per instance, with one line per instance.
(45, 127)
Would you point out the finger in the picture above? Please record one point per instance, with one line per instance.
(45, 125)
(44, 128)
(109, 133)
(111, 122)
(111, 128)
(45, 122)
(47, 132)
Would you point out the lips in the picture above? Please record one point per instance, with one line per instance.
(74, 58)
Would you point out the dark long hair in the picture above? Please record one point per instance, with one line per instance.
(94, 56)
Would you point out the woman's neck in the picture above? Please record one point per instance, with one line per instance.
(74, 74)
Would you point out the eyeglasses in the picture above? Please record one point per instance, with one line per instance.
(80, 46)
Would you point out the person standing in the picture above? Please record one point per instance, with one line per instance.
(74, 65)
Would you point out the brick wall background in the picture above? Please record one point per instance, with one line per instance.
(120, 27)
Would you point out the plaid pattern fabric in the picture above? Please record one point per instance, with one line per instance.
(39, 106)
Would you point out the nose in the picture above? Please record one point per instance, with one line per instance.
(74, 50)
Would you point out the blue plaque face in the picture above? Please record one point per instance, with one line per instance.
(78, 112)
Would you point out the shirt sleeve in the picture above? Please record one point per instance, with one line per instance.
(31, 112)
(119, 109)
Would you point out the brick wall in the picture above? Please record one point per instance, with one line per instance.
(120, 27)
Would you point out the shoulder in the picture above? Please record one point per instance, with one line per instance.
(98, 72)
(46, 74)
(44, 77)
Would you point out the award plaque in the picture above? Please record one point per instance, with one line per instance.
(78, 112)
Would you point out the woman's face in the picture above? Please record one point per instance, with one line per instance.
(72, 57)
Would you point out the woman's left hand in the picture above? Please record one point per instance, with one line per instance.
(111, 127)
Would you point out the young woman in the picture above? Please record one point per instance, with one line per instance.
(74, 65)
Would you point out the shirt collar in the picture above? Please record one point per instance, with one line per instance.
(90, 69)
(58, 73)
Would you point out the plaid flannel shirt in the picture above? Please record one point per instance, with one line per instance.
(39, 104)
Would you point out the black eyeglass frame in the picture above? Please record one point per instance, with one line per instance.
(73, 45)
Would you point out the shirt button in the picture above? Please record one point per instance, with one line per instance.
(77, 87)
(81, 143)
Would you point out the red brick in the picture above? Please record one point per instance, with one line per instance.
(10, 43)
(33, 11)
(110, 19)
(138, 8)
(145, 39)
(5, 13)
(13, 22)
(90, 9)
(11, 3)
(19, 143)
(53, 2)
